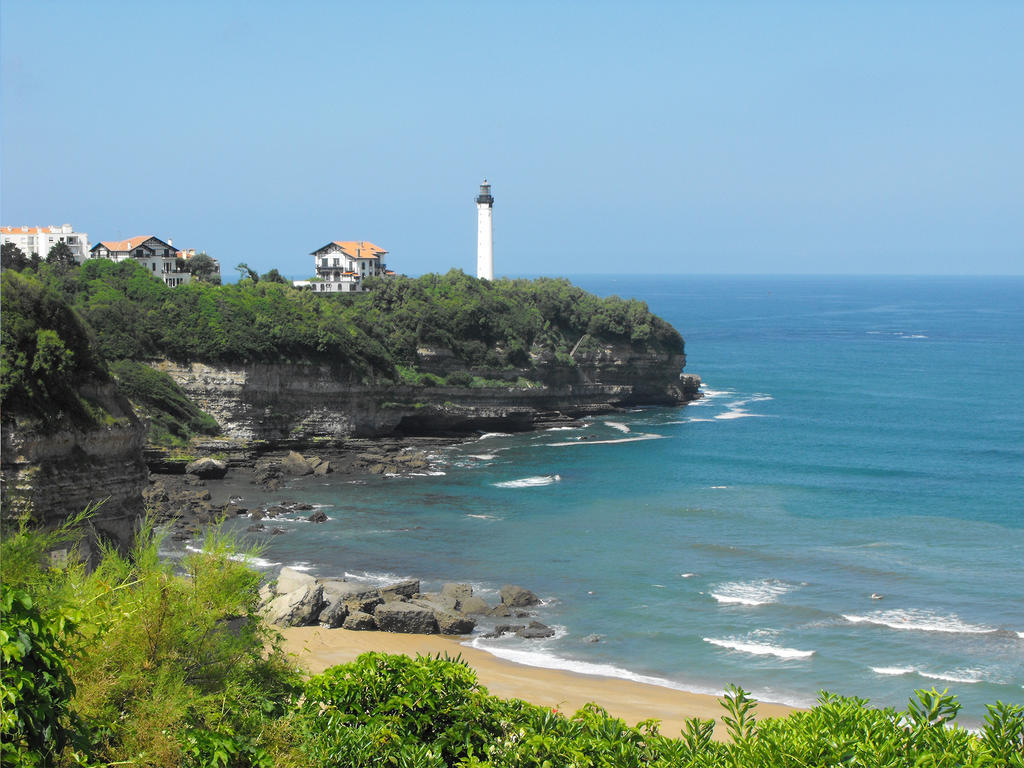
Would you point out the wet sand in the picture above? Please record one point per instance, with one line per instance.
(317, 649)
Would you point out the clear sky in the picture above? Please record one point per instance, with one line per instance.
(634, 137)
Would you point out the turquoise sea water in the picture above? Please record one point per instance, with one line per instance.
(858, 436)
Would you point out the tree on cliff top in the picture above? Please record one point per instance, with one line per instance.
(46, 353)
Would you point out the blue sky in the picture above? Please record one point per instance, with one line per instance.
(642, 137)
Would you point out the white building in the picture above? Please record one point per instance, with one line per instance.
(341, 266)
(39, 240)
(485, 233)
(151, 252)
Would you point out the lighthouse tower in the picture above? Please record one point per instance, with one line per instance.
(485, 233)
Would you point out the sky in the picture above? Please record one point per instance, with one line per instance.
(640, 137)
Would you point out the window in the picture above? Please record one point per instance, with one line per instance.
(336, 262)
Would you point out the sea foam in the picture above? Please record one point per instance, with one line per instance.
(634, 439)
(759, 649)
(544, 660)
(618, 425)
(530, 482)
(760, 592)
(920, 621)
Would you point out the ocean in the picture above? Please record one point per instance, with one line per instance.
(858, 436)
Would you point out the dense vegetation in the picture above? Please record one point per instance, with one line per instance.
(46, 352)
(63, 325)
(492, 324)
(142, 663)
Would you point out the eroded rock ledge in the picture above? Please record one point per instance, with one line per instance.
(298, 404)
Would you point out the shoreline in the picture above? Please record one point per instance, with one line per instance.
(317, 648)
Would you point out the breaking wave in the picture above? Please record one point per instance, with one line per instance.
(920, 621)
(530, 482)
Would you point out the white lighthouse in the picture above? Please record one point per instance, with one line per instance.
(485, 233)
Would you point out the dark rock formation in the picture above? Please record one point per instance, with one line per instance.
(502, 629)
(360, 621)
(536, 630)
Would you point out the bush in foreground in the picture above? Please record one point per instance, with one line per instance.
(393, 710)
(142, 662)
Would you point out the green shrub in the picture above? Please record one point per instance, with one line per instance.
(173, 417)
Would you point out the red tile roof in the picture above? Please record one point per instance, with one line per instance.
(124, 245)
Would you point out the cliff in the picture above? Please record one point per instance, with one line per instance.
(299, 403)
(52, 472)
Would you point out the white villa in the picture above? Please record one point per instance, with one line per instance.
(341, 266)
(153, 253)
(39, 240)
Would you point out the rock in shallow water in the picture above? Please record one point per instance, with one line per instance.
(517, 597)
(535, 630)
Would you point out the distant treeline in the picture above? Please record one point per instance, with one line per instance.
(63, 325)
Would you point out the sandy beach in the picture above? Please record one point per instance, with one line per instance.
(317, 649)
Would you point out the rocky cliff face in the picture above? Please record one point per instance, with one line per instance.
(294, 404)
(53, 474)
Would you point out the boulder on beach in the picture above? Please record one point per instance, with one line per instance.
(517, 597)
(451, 623)
(457, 591)
(289, 579)
(323, 468)
(405, 617)
(207, 468)
(359, 621)
(356, 596)
(500, 610)
(298, 608)
(295, 464)
(473, 606)
(400, 590)
(333, 615)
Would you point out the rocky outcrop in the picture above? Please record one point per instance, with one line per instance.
(517, 597)
(207, 468)
(405, 617)
(51, 475)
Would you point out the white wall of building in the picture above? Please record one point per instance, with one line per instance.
(41, 239)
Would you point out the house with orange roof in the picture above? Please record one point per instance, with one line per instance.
(343, 265)
(39, 240)
(160, 258)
